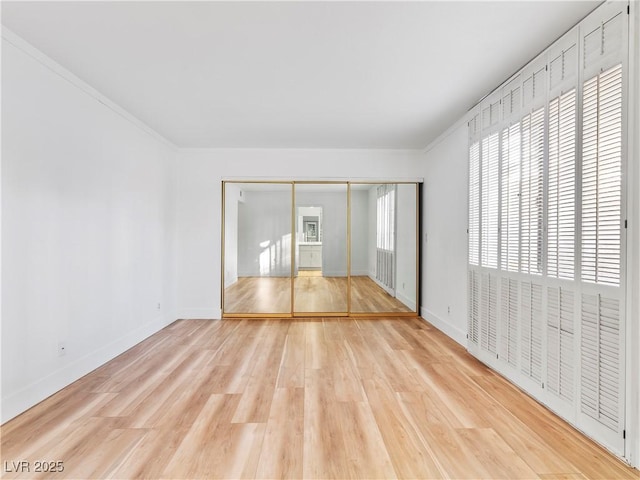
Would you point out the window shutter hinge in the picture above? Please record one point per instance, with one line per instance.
(624, 434)
(546, 68)
(542, 384)
(625, 223)
(628, 10)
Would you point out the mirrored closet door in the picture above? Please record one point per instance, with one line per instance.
(384, 239)
(257, 248)
(319, 249)
(321, 264)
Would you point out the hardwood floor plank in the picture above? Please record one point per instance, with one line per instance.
(365, 451)
(303, 398)
(316, 354)
(496, 456)
(324, 447)
(444, 443)
(215, 447)
(292, 365)
(281, 454)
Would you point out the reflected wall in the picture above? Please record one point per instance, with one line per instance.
(257, 248)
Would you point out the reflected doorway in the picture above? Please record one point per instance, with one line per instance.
(321, 264)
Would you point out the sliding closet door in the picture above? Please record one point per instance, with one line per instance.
(384, 248)
(321, 264)
(257, 248)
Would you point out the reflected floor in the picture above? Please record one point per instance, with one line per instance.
(367, 297)
(312, 294)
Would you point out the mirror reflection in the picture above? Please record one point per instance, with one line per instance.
(320, 284)
(257, 253)
(301, 248)
(383, 248)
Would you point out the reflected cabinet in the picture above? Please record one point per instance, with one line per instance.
(319, 248)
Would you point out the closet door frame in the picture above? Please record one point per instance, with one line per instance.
(348, 183)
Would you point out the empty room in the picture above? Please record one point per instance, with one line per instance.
(320, 239)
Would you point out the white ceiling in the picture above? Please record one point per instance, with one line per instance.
(294, 74)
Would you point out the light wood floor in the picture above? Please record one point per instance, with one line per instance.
(312, 294)
(325, 398)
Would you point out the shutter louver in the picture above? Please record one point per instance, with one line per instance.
(509, 324)
(561, 187)
(474, 306)
(533, 87)
(602, 45)
(490, 199)
(602, 177)
(531, 201)
(592, 48)
(511, 99)
(510, 203)
(486, 117)
(489, 313)
(600, 361)
(612, 31)
(563, 67)
(560, 351)
(531, 330)
(495, 113)
(474, 203)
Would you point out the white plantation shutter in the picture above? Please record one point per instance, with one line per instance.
(509, 321)
(560, 338)
(489, 313)
(511, 99)
(547, 236)
(531, 330)
(510, 201)
(531, 200)
(602, 177)
(490, 201)
(561, 187)
(600, 359)
(474, 306)
(474, 203)
(602, 45)
(534, 86)
(563, 67)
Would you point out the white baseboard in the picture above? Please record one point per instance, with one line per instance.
(451, 331)
(360, 273)
(382, 286)
(204, 313)
(336, 273)
(407, 301)
(230, 281)
(25, 398)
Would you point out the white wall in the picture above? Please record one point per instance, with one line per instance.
(264, 234)
(406, 258)
(198, 205)
(87, 222)
(232, 198)
(360, 232)
(373, 234)
(444, 217)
